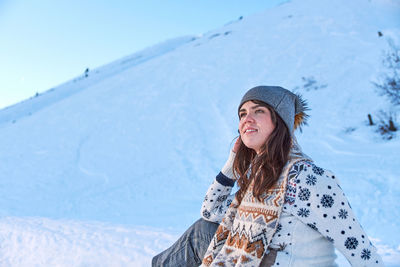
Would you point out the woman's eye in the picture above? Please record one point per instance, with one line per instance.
(259, 111)
(241, 115)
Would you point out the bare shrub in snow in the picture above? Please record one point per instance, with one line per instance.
(387, 125)
(389, 85)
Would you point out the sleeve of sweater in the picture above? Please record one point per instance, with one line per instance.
(318, 201)
(218, 196)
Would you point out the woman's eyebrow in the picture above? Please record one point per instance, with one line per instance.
(256, 106)
(253, 107)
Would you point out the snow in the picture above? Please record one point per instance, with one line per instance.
(44, 242)
(109, 169)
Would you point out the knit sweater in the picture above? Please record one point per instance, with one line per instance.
(311, 218)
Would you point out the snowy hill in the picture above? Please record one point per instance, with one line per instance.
(134, 146)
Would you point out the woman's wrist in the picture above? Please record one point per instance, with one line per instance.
(227, 170)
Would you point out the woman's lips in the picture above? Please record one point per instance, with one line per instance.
(250, 131)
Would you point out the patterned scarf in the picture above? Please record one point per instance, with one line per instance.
(244, 234)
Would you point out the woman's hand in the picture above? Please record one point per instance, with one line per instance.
(236, 145)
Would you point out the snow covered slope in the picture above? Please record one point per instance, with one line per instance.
(138, 141)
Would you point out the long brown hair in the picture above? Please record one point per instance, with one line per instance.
(266, 166)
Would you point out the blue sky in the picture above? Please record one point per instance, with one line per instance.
(45, 43)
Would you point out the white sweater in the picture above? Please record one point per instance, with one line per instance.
(316, 218)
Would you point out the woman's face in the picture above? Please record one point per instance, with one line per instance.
(255, 125)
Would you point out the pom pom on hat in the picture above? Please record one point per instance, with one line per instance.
(300, 117)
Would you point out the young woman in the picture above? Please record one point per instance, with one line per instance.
(287, 211)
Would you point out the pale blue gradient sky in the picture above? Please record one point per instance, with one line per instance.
(44, 43)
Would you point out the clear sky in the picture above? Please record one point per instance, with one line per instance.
(44, 43)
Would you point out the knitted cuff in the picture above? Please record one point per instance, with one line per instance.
(225, 181)
(227, 169)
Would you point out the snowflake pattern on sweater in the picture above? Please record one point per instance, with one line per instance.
(218, 199)
(320, 203)
(313, 196)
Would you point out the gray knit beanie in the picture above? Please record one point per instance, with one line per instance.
(289, 106)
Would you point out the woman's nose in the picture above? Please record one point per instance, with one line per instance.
(249, 117)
